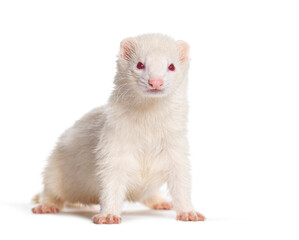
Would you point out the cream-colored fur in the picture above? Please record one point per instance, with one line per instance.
(128, 148)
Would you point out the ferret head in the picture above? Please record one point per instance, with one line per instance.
(152, 65)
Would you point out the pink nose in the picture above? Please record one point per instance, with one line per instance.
(156, 82)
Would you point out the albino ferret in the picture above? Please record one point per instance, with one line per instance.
(127, 149)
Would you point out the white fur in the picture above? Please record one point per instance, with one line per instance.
(128, 148)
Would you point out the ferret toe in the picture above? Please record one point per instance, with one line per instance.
(45, 209)
(190, 216)
(108, 219)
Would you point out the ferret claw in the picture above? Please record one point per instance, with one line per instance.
(45, 209)
(109, 219)
(190, 216)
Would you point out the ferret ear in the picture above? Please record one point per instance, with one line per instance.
(127, 48)
(183, 49)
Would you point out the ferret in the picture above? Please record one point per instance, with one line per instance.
(127, 149)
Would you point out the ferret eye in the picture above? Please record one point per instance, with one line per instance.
(140, 65)
(171, 67)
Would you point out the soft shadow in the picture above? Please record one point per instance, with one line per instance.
(87, 214)
(134, 214)
(88, 211)
(83, 212)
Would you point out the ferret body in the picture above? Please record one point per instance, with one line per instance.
(127, 149)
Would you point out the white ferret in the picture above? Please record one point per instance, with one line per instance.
(127, 149)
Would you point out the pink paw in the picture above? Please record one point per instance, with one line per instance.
(163, 206)
(109, 219)
(190, 216)
(45, 209)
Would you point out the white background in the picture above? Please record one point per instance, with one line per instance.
(57, 61)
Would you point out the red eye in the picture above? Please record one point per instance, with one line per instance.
(140, 65)
(171, 67)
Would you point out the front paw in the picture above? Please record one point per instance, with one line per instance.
(108, 219)
(42, 208)
(190, 216)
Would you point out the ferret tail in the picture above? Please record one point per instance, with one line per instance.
(36, 198)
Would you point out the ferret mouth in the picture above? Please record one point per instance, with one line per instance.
(155, 91)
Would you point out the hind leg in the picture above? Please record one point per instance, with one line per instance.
(158, 202)
(48, 204)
